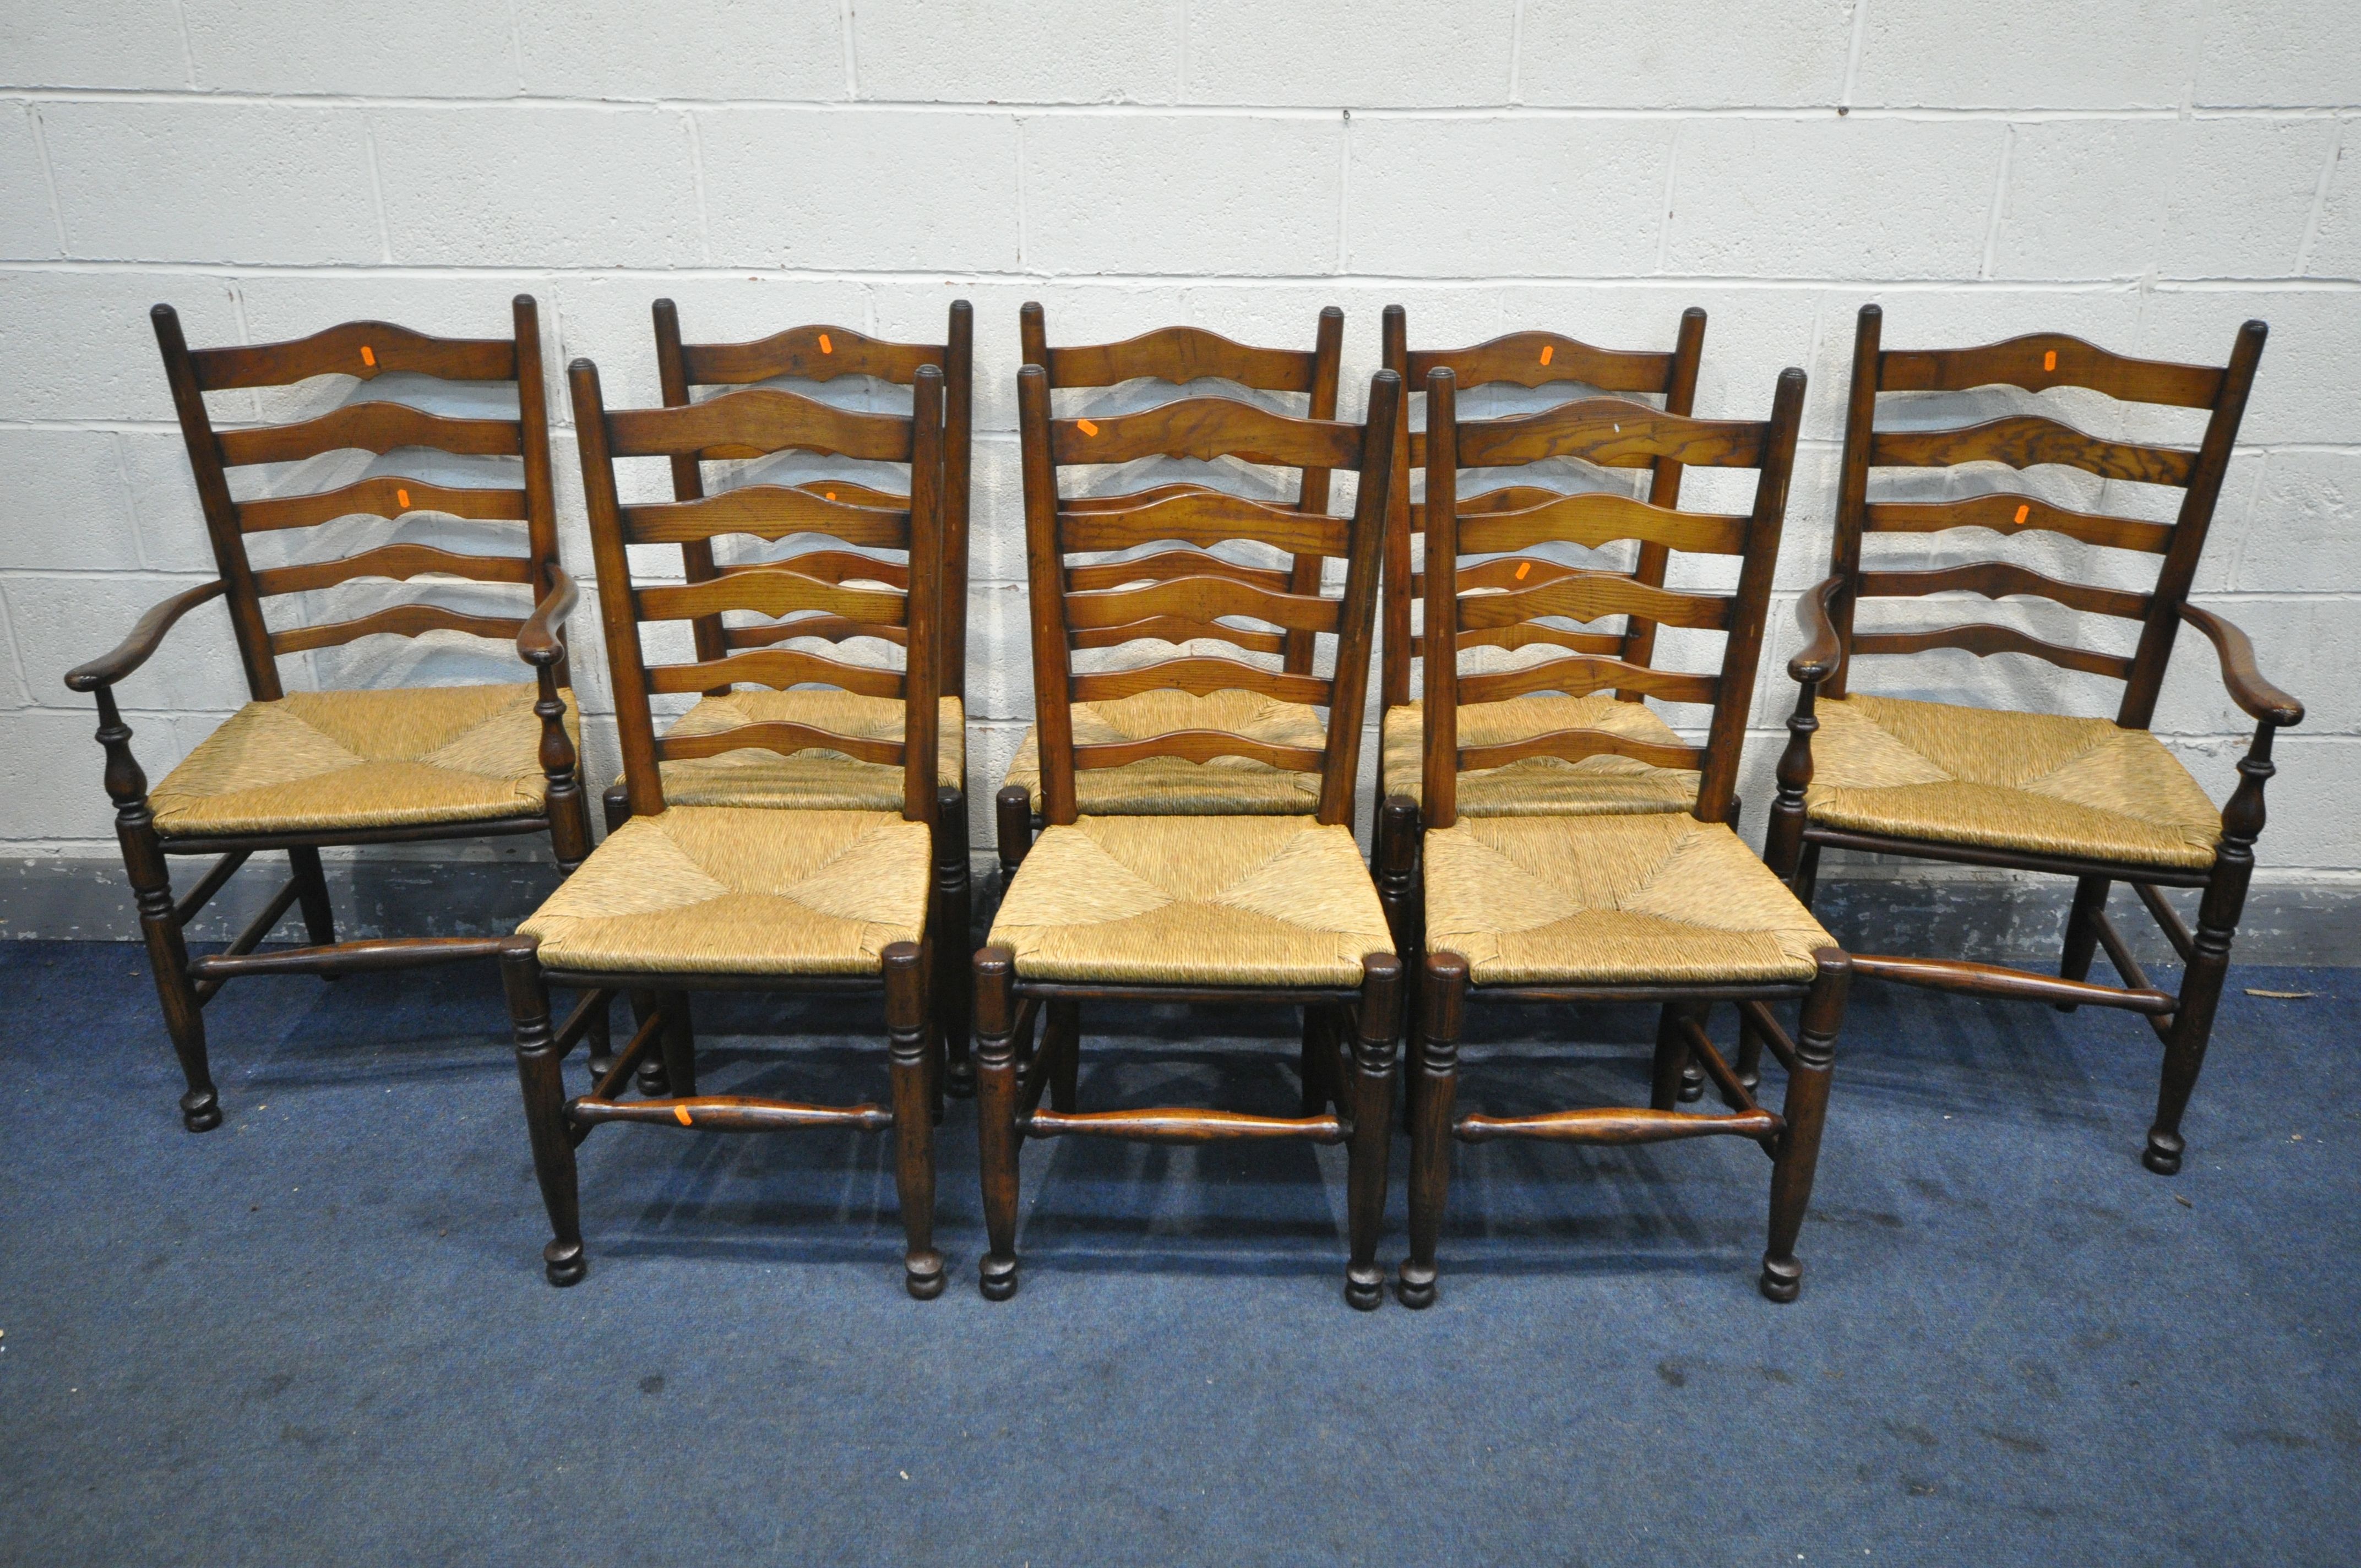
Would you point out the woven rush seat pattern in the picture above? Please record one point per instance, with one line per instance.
(740, 890)
(1659, 898)
(816, 780)
(2014, 781)
(1223, 786)
(1544, 786)
(1193, 901)
(324, 760)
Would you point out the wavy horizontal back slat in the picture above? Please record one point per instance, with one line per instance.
(1538, 358)
(1574, 745)
(805, 354)
(777, 668)
(1205, 598)
(1197, 746)
(1179, 354)
(1206, 428)
(1174, 628)
(1199, 517)
(771, 511)
(401, 620)
(1509, 571)
(2040, 360)
(1526, 634)
(1579, 675)
(776, 735)
(1984, 639)
(1596, 517)
(1593, 596)
(369, 427)
(362, 349)
(1199, 674)
(828, 628)
(2027, 440)
(1611, 432)
(758, 422)
(772, 591)
(384, 495)
(1996, 579)
(1172, 564)
(832, 566)
(396, 561)
(2008, 512)
(1508, 498)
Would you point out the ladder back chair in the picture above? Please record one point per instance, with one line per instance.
(1540, 784)
(301, 771)
(1204, 906)
(2097, 800)
(1180, 356)
(746, 897)
(868, 518)
(1659, 906)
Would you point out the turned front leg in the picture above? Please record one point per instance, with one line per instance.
(995, 1112)
(906, 1029)
(1442, 997)
(1376, 1025)
(1804, 1111)
(540, 1073)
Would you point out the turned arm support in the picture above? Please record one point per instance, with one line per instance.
(1823, 650)
(2263, 701)
(101, 674)
(540, 642)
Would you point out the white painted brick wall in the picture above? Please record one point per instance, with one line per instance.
(2145, 173)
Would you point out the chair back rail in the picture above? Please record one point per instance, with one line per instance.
(365, 350)
(824, 592)
(1181, 594)
(1507, 601)
(1528, 359)
(2034, 363)
(1179, 354)
(857, 514)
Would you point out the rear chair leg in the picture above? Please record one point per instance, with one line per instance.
(1064, 1036)
(541, 1073)
(2082, 932)
(1442, 997)
(312, 893)
(907, 1029)
(1012, 817)
(1804, 1111)
(1370, 1099)
(995, 1114)
(678, 1043)
(1396, 860)
(954, 946)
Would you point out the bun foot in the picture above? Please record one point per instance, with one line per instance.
(200, 1111)
(997, 1279)
(1415, 1287)
(2164, 1151)
(1782, 1278)
(563, 1263)
(651, 1082)
(923, 1275)
(1365, 1288)
(959, 1080)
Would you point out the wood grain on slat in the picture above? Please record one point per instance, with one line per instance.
(398, 561)
(777, 668)
(2040, 360)
(1180, 353)
(769, 511)
(1503, 572)
(769, 591)
(1175, 628)
(832, 566)
(798, 352)
(1199, 516)
(756, 422)
(2026, 441)
(1574, 745)
(369, 427)
(1510, 498)
(1203, 598)
(1172, 564)
(1206, 428)
(1592, 596)
(1984, 639)
(1612, 433)
(1527, 634)
(1596, 518)
(827, 628)
(387, 495)
(402, 620)
(2004, 512)
(776, 736)
(337, 351)
(1996, 579)
(1580, 676)
(1537, 359)
(1199, 675)
(1197, 746)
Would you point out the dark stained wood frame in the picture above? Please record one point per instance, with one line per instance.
(2034, 363)
(1356, 1078)
(752, 423)
(863, 516)
(365, 350)
(1179, 354)
(1790, 1136)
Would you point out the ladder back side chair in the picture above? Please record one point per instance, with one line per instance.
(869, 518)
(1660, 906)
(732, 896)
(1204, 906)
(301, 771)
(2100, 801)
(1179, 355)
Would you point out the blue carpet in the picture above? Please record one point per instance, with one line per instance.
(320, 1334)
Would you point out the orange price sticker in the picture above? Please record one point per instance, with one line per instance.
(2049, 361)
(1086, 427)
(825, 345)
(832, 495)
(401, 495)
(369, 355)
(1525, 567)
(2022, 512)
(680, 1115)
(1547, 350)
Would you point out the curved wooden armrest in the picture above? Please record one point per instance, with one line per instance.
(143, 640)
(2247, 689)
(1822, 651)
(538, 642)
